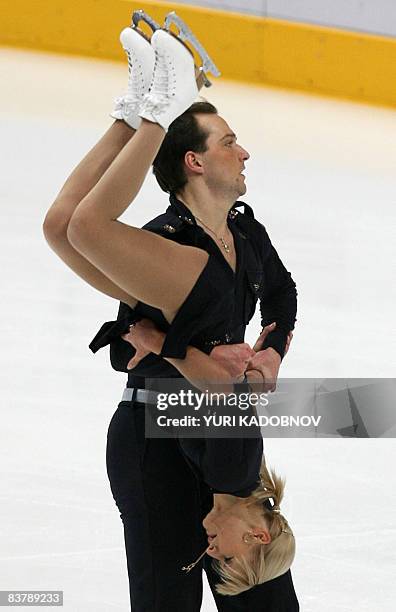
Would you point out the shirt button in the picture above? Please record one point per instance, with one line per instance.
(169, 228)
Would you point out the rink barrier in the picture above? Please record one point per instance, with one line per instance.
(258, 50)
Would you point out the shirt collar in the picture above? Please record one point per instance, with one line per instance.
(185, 214)
(181, 210)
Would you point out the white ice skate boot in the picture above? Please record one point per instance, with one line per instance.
(176, 79)
(141, 59)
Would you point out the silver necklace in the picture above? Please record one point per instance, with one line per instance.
(226, 247)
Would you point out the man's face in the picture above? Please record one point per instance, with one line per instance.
(224, 160)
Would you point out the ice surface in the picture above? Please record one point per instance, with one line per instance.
(322, 179)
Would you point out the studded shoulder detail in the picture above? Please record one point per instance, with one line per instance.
(169, 228)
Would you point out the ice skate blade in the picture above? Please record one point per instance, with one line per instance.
(140, 15)
(185, 34)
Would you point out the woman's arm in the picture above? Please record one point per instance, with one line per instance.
(226, 364)
(203, 371)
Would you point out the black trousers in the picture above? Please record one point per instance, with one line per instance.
(162, 504)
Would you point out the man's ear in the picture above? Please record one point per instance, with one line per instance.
(193, 162)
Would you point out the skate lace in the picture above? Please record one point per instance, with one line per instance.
(135, 80)
(157, 100)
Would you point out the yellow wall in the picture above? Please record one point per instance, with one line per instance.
(248, 48)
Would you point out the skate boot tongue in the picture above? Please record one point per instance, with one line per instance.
(174, 87)
(141, 59)
(159, 98)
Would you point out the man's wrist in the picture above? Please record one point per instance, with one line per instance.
(273, 352)
(254, 375)
(158, 342)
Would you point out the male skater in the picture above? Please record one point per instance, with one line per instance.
(161, 501)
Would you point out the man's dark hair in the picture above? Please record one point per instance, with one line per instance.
(184, 134)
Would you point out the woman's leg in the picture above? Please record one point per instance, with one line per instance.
(153, 269)
(83, 178)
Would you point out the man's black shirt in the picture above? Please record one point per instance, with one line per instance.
(220, 465)
(259, 275)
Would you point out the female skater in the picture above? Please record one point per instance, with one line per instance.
(248, 536)
(133, 265)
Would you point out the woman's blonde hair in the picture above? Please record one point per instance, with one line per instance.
(269, 560)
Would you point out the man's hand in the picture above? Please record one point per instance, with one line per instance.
(264, 366)
(146, 338)
(264, 333)
(233, 357)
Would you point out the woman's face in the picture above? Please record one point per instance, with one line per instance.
(228, 524)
